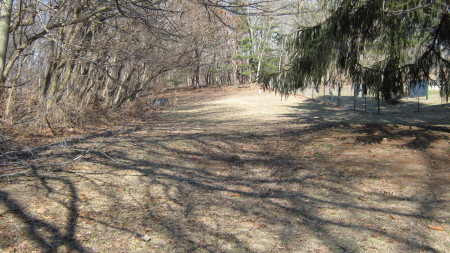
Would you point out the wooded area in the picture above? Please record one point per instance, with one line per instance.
(224, 126)
(63, 59)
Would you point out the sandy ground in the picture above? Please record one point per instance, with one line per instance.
(238, 170)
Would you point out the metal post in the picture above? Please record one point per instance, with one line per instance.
(365, 103)
(378, 98)
(418, 104)
(339, 94)
(324, 93)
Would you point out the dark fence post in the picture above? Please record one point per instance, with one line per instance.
(378, 98)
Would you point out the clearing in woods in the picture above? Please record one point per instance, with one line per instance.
(235, 170)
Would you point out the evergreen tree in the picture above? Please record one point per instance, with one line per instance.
(382, 43)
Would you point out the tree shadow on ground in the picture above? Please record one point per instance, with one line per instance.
(236, 191)
(48, 236)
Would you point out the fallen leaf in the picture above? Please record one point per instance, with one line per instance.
(234, 194)
(146, 238)
(361, 198)
(155, 200)
(5, 213)
(85, 167)
(83, 197)
(81, 238)
(261, 225)
(436, 228)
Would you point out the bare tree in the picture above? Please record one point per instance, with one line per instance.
(80, 55)
(5, 19)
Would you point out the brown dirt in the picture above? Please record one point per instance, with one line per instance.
(236, 170)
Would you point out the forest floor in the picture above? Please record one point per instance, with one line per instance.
(236, 170)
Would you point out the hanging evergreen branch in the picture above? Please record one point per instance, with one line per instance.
(364, 42)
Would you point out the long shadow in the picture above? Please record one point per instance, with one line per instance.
(371, 105)
(204, 181)
(424, 127)
(189, 189)
(49, 237)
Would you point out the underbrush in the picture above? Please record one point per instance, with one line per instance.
(32, 124)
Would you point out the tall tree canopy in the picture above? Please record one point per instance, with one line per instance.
(382, 43)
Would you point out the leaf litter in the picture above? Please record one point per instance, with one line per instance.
(215, 174)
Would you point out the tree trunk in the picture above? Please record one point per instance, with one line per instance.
(48, 75)
(5, 19)
(10, 101)
(258, 70)
(198, 56)
(53, 88)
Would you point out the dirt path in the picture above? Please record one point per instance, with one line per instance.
(240, 171)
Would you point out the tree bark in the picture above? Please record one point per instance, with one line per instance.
(198, 56)
(5, 19)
